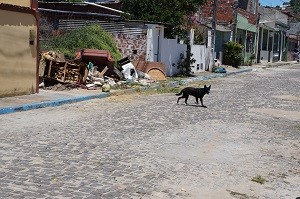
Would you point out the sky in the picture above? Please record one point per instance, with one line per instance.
(272, 2)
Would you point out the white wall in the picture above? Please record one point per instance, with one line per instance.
(168, 51)
(149, 48)
(157, 36)
(264, 55)
(163, 50)
(154, 39)
(200, 54)
(170, 54)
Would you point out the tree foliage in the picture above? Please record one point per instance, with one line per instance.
(172, 12)
(295, 5)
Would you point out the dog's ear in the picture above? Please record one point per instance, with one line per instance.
(205, 86)
(209, 86)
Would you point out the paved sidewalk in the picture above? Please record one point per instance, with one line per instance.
(47, 98)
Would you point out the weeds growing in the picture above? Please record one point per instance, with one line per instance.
(259, 179)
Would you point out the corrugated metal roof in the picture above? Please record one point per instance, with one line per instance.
(110, 26)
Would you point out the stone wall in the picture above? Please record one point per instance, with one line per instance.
(132, 46)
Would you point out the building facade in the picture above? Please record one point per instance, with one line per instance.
(272, 42)
(19, 47)
(236, 21)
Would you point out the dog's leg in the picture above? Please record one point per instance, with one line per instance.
(202, 103)
(186, 98)
(179, 99)
(197, 102)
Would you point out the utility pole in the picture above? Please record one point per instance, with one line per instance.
(234, 6)
(213, 33)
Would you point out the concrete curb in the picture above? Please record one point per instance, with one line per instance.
(217, 75)
(58, 102)
(274, 65)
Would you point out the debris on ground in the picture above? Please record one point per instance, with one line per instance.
(156, 70)
(105, 87)
(91, 69)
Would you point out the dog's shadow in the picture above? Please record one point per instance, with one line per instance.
(194, 105)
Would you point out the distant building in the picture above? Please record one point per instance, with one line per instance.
(285, 5)
(273, 26)
(240, 17)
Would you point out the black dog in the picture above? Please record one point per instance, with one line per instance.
(196, 92)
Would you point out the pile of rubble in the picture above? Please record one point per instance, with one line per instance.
(91, 69)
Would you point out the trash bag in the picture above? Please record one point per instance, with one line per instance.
(220, 70)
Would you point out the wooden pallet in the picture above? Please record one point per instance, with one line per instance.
(66, 72)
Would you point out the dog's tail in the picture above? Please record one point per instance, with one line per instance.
(179, 93)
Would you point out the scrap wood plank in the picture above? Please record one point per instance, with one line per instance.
(101, 74)
(65, 68)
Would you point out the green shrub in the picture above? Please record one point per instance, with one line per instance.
(184, 64)
(93, 37)
(251, 59)
(233, 54)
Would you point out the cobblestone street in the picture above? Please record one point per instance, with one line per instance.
(147, 146)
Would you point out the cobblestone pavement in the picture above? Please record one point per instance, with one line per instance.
(141, 146)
